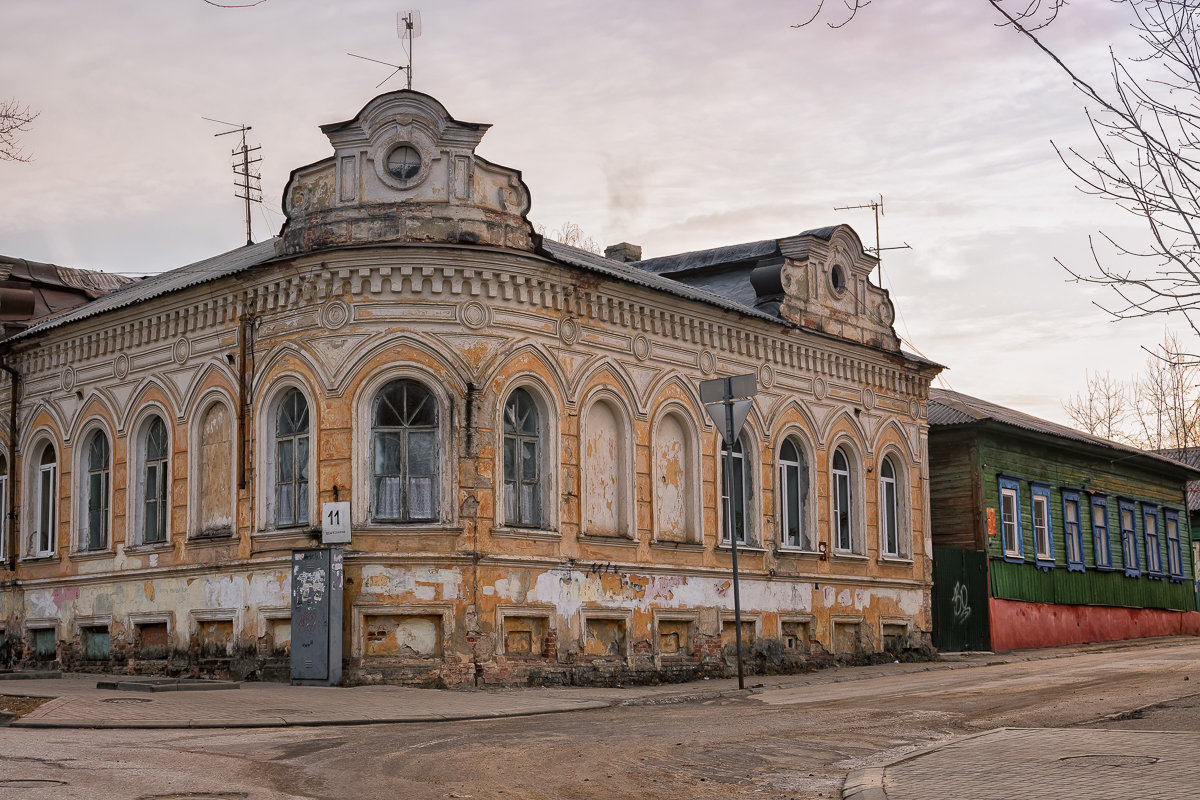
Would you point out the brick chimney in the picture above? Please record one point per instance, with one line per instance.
(624, 252)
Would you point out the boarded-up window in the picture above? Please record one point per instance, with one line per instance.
(216, 471)
(674, 637)
(605, 476)
(729, 633)
(847, 637)
(605, 637)
(675, 490)
(152, 640)
(524, 636)
(97, 643)
(214, 637)
(43, 643)
(403, 635)
(796, 635)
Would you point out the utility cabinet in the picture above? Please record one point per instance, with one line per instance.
(317, 586)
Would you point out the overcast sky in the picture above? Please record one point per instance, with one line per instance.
(674, 124)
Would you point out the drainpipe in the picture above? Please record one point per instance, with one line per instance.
(11, 501)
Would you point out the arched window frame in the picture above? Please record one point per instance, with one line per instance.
(195, 439)
(5, 476)
(751, 494)
(267, 455)
(902, 506)
(41, 507)
(92, 491)
(363, 470)
(135, 462)
(685, 418)
(627, 525)
(856, 507)
(808, 494)
(549, 454)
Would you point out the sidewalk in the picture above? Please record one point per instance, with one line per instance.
(78, 703)
(1001, 764)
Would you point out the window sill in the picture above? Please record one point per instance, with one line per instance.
(539, 534)
(1014, 558)
(91, 555)
(616, 541)
(849, 556)
(152, 547)
(1046, 564)
(406, 529)
(742, 548)
(287, 533)
(1076, 568)
(904, 561)
(1106, 568)
(46, 558)
(1133, 573)
(667, 544)
(785, 550)
(211, 541)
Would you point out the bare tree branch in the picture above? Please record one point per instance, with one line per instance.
(14, 119)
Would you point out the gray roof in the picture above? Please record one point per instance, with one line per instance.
(702, 259)
(631, 273)
(952, 408)
(164, 283)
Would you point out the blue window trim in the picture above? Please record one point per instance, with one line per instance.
(1072, 496)
(1100, 501)
(1015, 485)
(1133, 566)
(1036, 490)
(1150, 511)
(1171, 515)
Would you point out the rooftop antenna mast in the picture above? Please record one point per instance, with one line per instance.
(408, 27)
(247, 181)
(877, 207)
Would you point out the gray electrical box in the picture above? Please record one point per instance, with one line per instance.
(317, 581)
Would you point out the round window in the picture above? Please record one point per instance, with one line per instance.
(404, 162)
(838, 277)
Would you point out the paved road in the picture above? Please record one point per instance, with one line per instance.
(783, 741)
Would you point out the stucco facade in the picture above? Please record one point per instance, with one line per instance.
(534, 484)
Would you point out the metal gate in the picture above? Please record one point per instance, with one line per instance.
(960, 599)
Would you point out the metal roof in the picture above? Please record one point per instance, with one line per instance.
(952, 408)
(702, 259)
(174, 280)
(631, 273)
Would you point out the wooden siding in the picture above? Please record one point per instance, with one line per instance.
(1040, 461)
(955, 493)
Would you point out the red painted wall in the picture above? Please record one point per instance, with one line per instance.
(1016, 625)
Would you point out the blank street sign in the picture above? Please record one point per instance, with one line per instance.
(713, 391)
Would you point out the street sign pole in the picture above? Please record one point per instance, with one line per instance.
(731, 394)
(737, 599)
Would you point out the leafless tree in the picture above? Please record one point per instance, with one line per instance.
(1167, 411)
(1103, 408)
(571, 234)
(14, 119)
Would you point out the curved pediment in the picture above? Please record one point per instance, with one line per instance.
(404, 170)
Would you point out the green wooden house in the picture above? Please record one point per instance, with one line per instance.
(1043, 535)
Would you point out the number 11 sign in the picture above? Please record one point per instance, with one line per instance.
(335, 523)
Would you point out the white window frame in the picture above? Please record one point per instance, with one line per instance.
(268, 456)
(536, 519)
(1010, 520)
(406, 516)
(897, 507)
(135, 461)
(746, 458)
(43, 543)
(1043, 542)
(802, 469)
(852, 476)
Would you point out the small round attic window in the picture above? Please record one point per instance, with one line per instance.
(837, 277)
(404, 163)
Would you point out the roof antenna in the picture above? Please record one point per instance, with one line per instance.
(408, 27)
(246, 178)
(877, 207)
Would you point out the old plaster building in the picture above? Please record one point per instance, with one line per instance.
(533, 482)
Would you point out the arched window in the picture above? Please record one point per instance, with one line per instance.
(742, 488)
(291, 460)
(45, 511)
(842, 512)
(404, 448)
(95, 490)
(793, 499)
(675, 473)
(215, 463)
(522, 461)
(889, 517)
(153, 481)
(606, 471)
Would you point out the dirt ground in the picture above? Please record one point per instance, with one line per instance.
(19, 705)
(787, 743)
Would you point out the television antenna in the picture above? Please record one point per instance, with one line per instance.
(877, 207)
(408, 27)
(247, 181)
